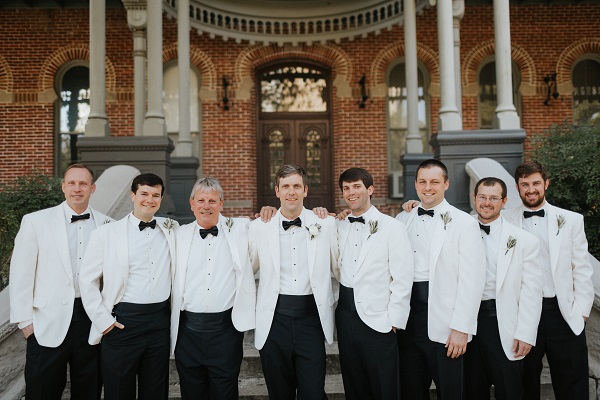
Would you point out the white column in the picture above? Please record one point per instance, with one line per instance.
(154, 123)
(137, 18)
(97, 124)
(506, 114)
(458, 11)
(184, 142)
(449, 119)
(414, 144)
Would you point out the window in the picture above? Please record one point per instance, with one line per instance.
(171, 99)
(586, 92)
(293, 88)
(488, 94)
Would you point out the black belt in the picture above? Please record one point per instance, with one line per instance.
(487, 308)
(550, 303)
(206, 322)
(296, 306)
(140, 312)
(420, 292)
(347, 298)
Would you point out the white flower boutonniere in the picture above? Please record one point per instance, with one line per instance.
(373, 226)
(512, 242)
(313, 230)
(169, 224)
(560, 220)
(229, 223)
(446, 218)
(107, 221)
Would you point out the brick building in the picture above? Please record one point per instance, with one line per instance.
(323, 85)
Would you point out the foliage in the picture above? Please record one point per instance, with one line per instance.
(24, 195)
(571, 154)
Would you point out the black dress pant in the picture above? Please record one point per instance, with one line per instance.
(140, 350)
(567, 355)
(46, 367)
(368, 358)
(422, 360)
(486, 363)
(293, 357)
(208, 356)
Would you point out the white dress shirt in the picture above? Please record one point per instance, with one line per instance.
(294, 274)
(538, 226)
(210, 277)
(357, 235)
(78, 235)
(491, 244)
(149, 279)
(420, 235)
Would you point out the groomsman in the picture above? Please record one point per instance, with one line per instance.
(45, 297)
(294, 307)
(448, 283)
(511, 304)
(125, 287)
(567, 287)
(214, 296)
(375, 274)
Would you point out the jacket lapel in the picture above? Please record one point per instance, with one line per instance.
(231, 241)
(272, 238)
(120, 229)
(504, 257)
(367, 244)
(554, 236)
(62, 241)
(185, 243)
(437, 240)
(311, 244)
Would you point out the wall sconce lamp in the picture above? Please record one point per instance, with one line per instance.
(362, 102)
(224, 104)
(550, 81)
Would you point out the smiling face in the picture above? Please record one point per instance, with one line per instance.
(78, 186)
(357, 196)
(206, 205)
(431, 186)
(532, 190)
(146, 201)
(489, 203)
(291, 193)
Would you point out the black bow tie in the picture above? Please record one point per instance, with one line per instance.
(529, 214)
(422, 211)
(213, 231)
(358, 219)
(286, 224)
(75, 218)
(485, 228)
(143, 225)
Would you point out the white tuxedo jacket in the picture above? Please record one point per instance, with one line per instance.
(265, 254)
(105, 270)
(518, 288)
(384, 273)
(41, 277)
(457, 268)
(570, 263)
(244, 303)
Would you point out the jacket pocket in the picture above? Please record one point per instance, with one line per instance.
(40, 302)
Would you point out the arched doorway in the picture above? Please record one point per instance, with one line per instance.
(294, 126)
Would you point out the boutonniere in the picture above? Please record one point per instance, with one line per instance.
(229, 223)
(561, 222)
(106, 221)
(446, 218)
(512, 242)
(313, 230)
(373, 226)
(169, 224)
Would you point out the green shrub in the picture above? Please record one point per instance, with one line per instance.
(24, 195)
(572, 156)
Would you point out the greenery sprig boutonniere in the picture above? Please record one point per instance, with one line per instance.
(512, 242)
(169, 224)
(560, 220)
(229, 223)
(107, 221)
(373, 227)
(446, 218)
(313, 230)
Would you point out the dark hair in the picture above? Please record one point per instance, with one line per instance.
(356, 174)
(291, 169)
(528, 168)
(79, 165)
(147, 180)
(430, 164)
(491, 181)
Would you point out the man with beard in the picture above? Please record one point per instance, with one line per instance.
(567, 288)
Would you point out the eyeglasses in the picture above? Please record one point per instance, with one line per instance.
(493, 199)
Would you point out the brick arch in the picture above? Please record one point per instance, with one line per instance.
(200, 60)
(6, 76)
(393, 51)
(64, 55)
(569, 56)
(477, 54)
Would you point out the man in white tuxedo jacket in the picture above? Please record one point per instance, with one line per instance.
(511, 304)
(214, 296)
(448, 284)
(294, 306)
(125, 287)
(567, 287)
(375, 272)
(45, 296)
